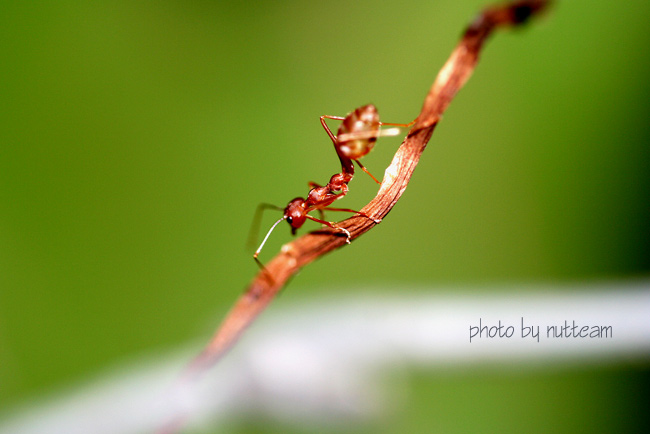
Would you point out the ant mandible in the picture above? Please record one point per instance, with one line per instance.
(356, 137)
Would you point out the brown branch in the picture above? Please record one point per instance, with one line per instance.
(311, 246)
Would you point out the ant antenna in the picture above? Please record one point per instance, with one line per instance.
(259, 249)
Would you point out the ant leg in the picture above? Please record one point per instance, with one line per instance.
(312, 184)
(399, 125)
(373, 134)
(255, 224)
(327, 129)
(362, 214)
(333, 226)
(366, 170)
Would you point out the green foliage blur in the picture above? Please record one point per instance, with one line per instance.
(137, 138)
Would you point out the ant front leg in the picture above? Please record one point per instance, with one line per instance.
(333, 226)
(362, 214)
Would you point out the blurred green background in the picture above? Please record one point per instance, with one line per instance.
(137, 138)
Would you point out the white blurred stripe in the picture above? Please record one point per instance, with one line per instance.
(318, 360)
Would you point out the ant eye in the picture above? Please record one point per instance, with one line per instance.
(289, 220)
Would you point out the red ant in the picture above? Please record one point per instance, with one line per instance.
(356, 137)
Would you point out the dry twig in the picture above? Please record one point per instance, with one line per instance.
(311, 246)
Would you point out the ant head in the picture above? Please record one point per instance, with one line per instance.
(295, 214)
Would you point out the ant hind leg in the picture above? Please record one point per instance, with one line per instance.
(333, 225)
(399, 125)
(366, 170)
(327, 129)
(362, 214)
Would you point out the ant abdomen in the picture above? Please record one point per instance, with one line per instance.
(363, 121)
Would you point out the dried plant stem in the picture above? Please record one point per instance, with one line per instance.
(311, 246)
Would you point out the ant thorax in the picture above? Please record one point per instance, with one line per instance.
(320, 197)
(365, 122)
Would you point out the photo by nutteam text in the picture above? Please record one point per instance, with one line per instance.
(567, 330)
